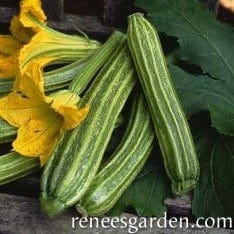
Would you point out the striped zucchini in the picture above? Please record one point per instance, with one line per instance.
(124, 164)
(171, 126)
(95, 62)
(14, 166)
(77, 156)
(7, 132)
(81, 72)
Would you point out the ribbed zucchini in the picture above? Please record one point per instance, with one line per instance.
(77, 156)
(14, 166)
(7, 132)
(95, 62)
(123, 166)
(171, 126)
(81, 72)
(5, 86)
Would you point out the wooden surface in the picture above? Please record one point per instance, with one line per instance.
(89, 24)
(22, 215)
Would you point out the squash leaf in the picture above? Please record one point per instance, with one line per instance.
(156, 186)
(214, 195)
(200, 93)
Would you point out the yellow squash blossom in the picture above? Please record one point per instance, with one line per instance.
(31, 8)
(40, 43)
(21, 26)
(48, 45)
(10, 45)
(40, 119)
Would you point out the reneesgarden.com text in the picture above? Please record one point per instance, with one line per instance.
(134, 224)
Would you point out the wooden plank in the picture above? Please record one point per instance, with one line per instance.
(21, 215)
(54, 9)
(28, 186)
(6, 14)
(87, 7)
(89, 24)
(116, 12)
(179, 206)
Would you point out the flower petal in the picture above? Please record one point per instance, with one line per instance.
(8, 66)
(38, 137)
(31, 82)
(9, 45)
(65, 103)
(30, 9)
(63, 97)
(72, 117)
(18, 110)
(41, 121)
(19, 31)
(9, 51)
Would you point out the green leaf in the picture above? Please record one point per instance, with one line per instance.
(214, 195)
(223, 118)
(203, 40)
(200, 93)
(147, 193)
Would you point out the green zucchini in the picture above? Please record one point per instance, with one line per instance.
(170, 123)
(7, 132)
(5, 86)
(95, 62)
(14, 166)
(77, 156)
(124, 164)
(81, 72)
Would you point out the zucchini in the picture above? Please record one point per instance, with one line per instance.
(124, 164)
(5, 86)
(81, 72)
(77, 156)
(95, 62)
(7, 132)
(170, 123)
(14, 166)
